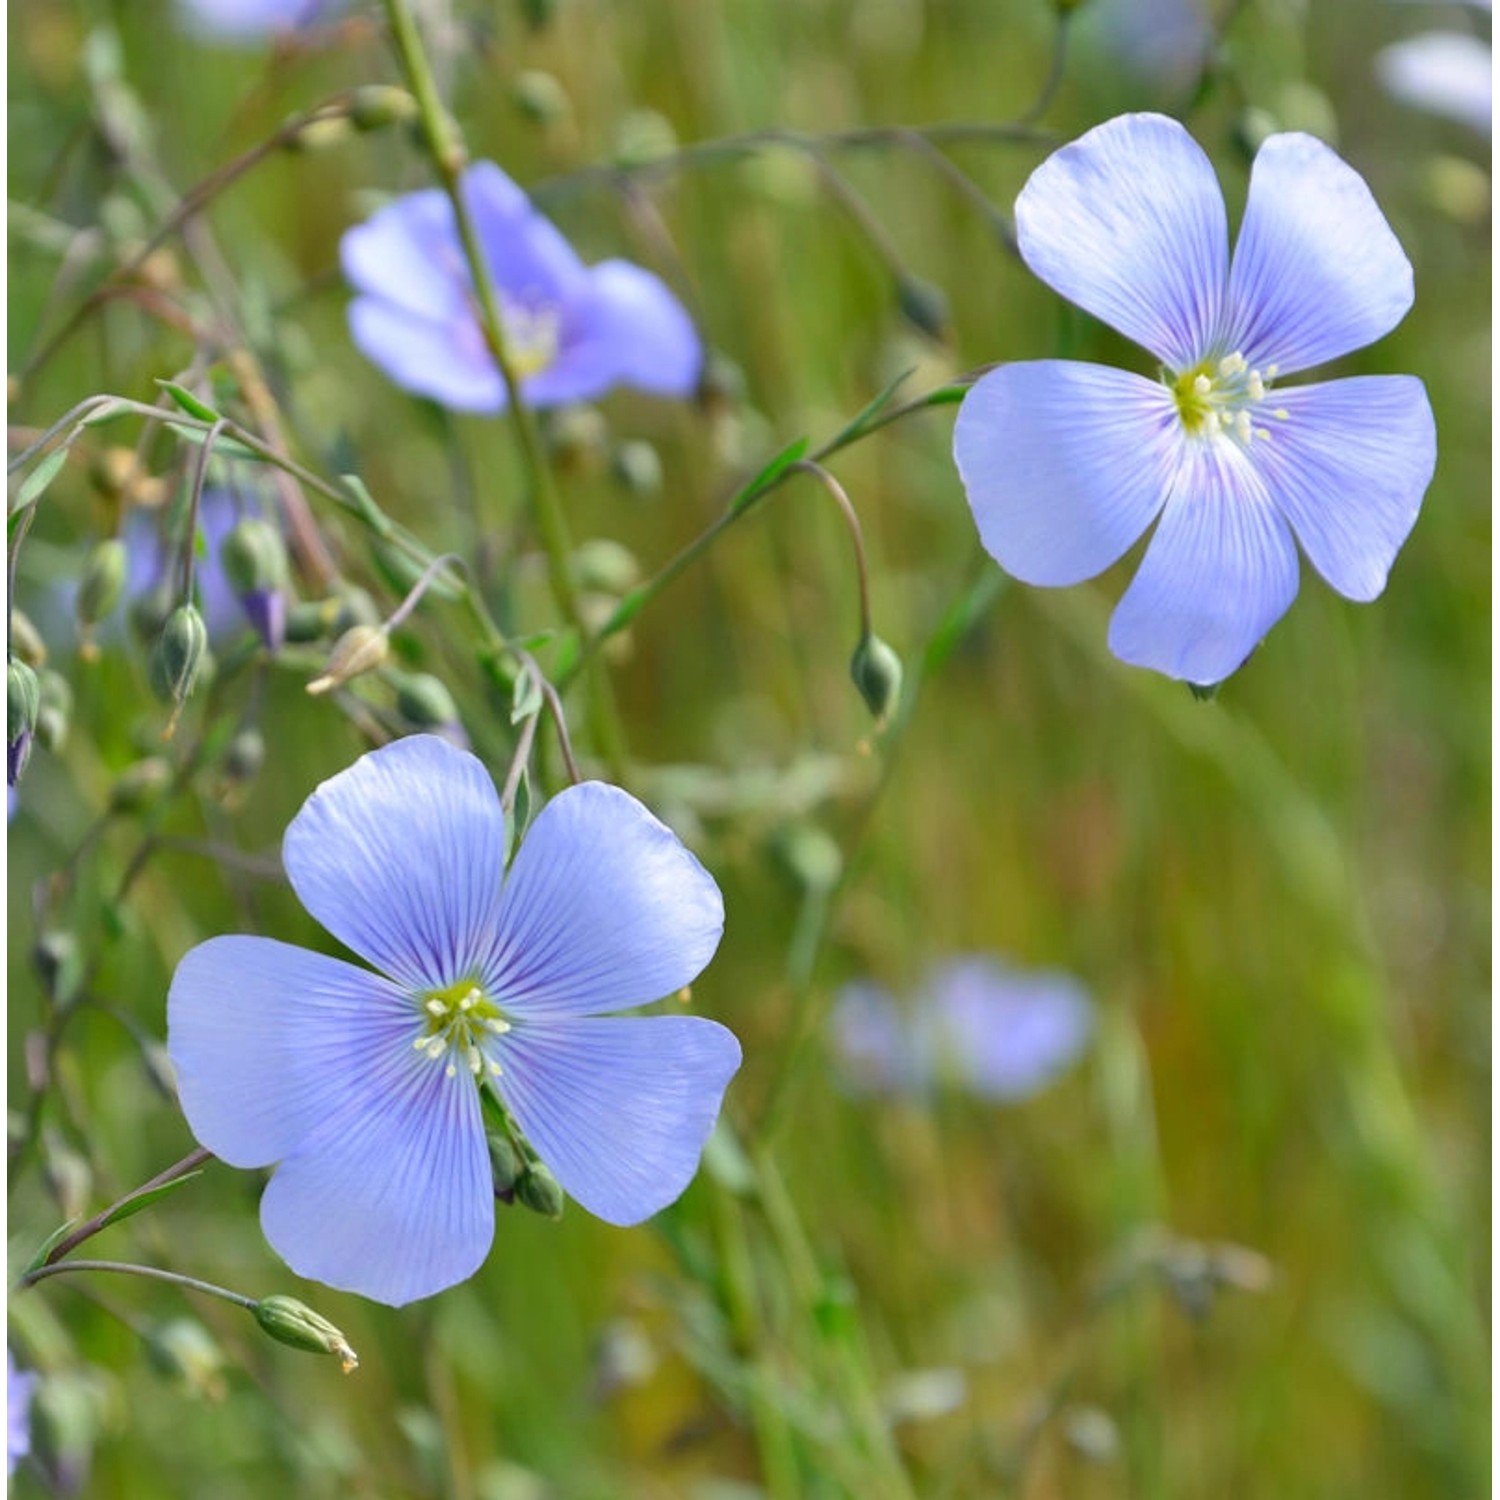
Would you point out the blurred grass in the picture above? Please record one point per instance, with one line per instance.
(1281, 898)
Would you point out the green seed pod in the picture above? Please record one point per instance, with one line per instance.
(643, 136)
(603, 566)
(422, 699)
(636, 466)
(374, 106)
(22, 700)
(318, 135)
(360, 649)
(253, 556)
(311, 620)
(876, 671)
(294, 1323)
(577, 438)
(177, 657)
(538, 1190)
(102, 581)
(138, 786)
(541, 98)
(246, 755)
(924, 306)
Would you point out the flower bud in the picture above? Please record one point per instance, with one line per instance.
(810, 855)
(423, 700)
(102, 581)
(924, 306)
(374, 106)
(246, 755)
(636, 466)
(643, 136)
(25, 640)
(138, 786)
(538, 1190)
(506, 1166)
(184, 1349)
(541, 98)
(577, 438)
(149, 611)
(604, 566)
(318, 135)
(115, 470)
(292, 1322)
(876, 670)
(253, 556)
(54, 710)
(22, 699)
(361, 648)
(177, 657)
(59, 962)
(311, 620)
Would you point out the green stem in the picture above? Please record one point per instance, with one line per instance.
(153, 1273)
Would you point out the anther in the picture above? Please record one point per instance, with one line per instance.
(436, 1008)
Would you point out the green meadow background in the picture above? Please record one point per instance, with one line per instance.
(1242, 1248)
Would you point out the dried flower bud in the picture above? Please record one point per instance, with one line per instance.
(538, 1190)
(360, 649)
(876, 670)
(292, 1322)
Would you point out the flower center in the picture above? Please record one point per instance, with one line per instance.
(458, 1022)
(1219, 397)
(531, 336)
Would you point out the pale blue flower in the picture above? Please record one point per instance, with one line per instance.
(250, 21)
(1066, 464)
(364, 1087)
(977, 1024)
(19, 1387)
(1166, 42)
(1446, 73)
(572, 330)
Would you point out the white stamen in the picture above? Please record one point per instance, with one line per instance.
(436, 1008)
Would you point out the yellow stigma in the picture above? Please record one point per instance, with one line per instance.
(532, 336)
(457, 1021)
(1222, 398)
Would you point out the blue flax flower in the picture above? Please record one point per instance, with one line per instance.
(365, 1087)
(978, 1024)
(247, 21)
(1447, 73)
(1067, 464)
(572, 330)
(18, 1392)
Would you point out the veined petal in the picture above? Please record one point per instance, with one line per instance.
(408, 254)
(1219, 572)
(604, 908)
(1064, 464)
(391, 1195)
(444, 361)
(1128, 222)
(267, 1039)
(400, 858)
(619, 1108)
(1317, 271)
(1348, 468)
(526, 254)
(625, 327)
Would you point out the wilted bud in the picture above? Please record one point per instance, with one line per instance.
(54, 710)
(876, 670)
(22, 699)
(506, 1165)
(59, 962)
(924, 306)
(643, 136)
(541, 98)
(605, 567)
(636, 466)
(424, 700)
(102, 581)
(246, 755)
(538, 1190)
(374, 106)
(25, 641)
(184, 1349)
(177, 656)
(360, 649)
(292, 1322)
(138, 786)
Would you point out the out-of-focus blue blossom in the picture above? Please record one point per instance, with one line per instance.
(572, 330)
(364, 1087)
(19, 1386)
(1067, 464)
(1164, 42)
(251, 21)
(998, 1032)
(1446, 73)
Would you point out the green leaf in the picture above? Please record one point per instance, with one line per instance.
(526, 698)
(189, 402)
(769, 475)
(873, 409)
(36, 482)
(57, 1236)
(133, 1205)
(224, 447)
(370, 513)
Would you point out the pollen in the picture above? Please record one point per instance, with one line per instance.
(1221, 398)
(457, 1024)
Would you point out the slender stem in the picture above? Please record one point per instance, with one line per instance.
(153, 1273)
(856, 536)
(189, 1163)
(189, 546)
(518, 764)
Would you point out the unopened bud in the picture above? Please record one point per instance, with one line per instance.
(538, 1190)
(360, 649)
(253, 556)
(102, 581)
(26, 641)
(374, 106)
(148, 611)
(246, 755)
(577, 438)
(810, 855)
(541, 98)
(636, 466)
(924, 306)
(184, 1349)
(292, 1322)
(311, 620)
(318, 135)
(643, 136)
(138, 786)
(876, 670)
(54, 710)
(506, 1165)
(177, 657)
(21, 703)
(59, 962)
(424, 700)
(604, 566)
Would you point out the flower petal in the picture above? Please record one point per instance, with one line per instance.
(408, 255)
(626, 327)
(446, 362)
(1348, 468)
(604, 908)
(1445, 72)
(1064, 464)
(1219, 572)
(527, 256)
(1317, 271)
(400, 858)
(265, 1037)
(875, 1051)
(391, 1195)
(1128, 222)
(619, 1108)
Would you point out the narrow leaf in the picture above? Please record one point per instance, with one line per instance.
(144, 1200)
(57, 1236)
(36, 482)
(189, 402)
(769, 475)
